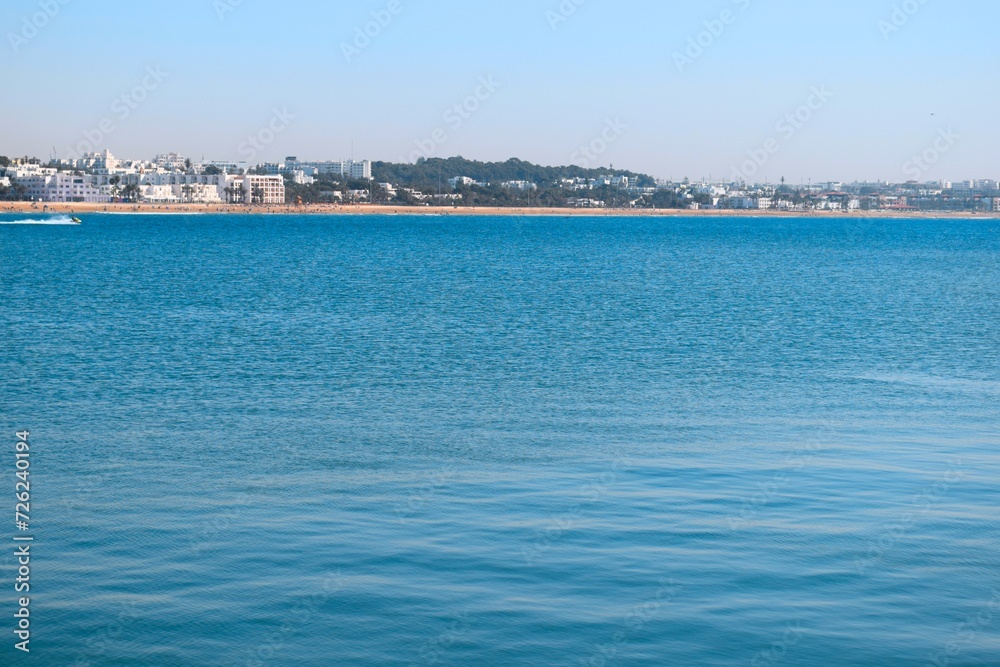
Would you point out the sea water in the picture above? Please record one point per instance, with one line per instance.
(379, 441)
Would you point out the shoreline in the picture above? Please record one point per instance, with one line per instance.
(368, 209)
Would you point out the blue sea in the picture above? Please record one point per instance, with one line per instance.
(384, 441)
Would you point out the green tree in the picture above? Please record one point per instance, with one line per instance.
(132, 193)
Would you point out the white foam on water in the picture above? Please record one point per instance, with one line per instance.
(60, 220)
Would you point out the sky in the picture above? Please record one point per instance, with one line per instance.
(762, 90)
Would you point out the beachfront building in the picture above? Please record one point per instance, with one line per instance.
(584, 202)
(258, 189)
(751, 203)
(49, 185)
(163, 187)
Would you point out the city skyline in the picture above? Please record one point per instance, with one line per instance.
(860, 92)
(101, 178)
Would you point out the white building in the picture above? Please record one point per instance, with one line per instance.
(584, 202)
(48, 185)
(361, 171)
(518, 185)
(170, 161)
(170, 187)
(299, 177)
(751, 203)
(91, 161)
(228, 167)
(462, 180)
(260, 189)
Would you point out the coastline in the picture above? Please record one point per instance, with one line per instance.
(368, 209)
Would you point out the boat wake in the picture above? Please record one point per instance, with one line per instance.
(61, 220)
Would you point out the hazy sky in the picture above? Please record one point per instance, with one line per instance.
(621, 78)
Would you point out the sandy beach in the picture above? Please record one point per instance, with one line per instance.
(368, 209)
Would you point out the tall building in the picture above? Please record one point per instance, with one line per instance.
(170, 161)
(361, 171)
(261, 189)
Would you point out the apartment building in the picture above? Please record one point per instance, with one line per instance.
(49, 185)
(361, 171)
(261, 189)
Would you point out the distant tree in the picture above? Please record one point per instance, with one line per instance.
(257, 195)
(667, 199)
(429, 172)
(132, 193)
(116, 191)
(4, 161)
(187, 164)
(212, 170)
(16, 192)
